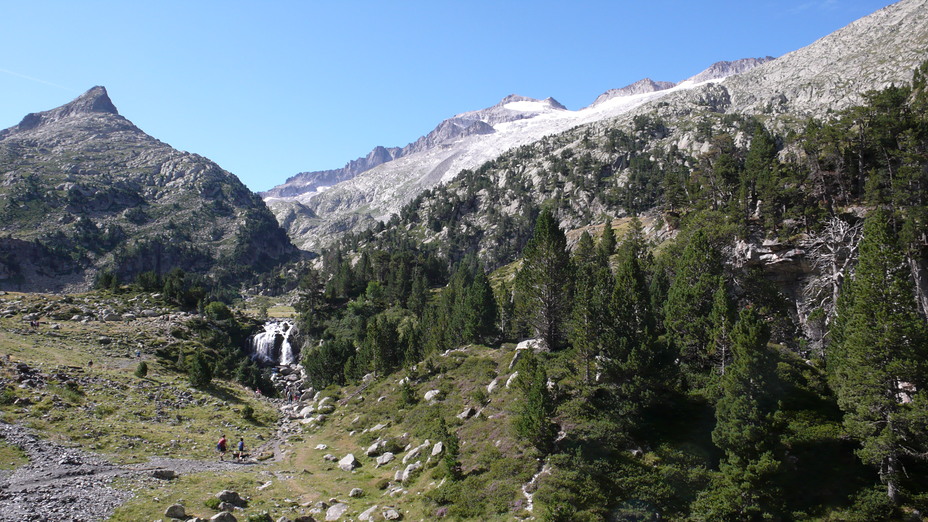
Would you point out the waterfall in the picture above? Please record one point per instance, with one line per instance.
(275, 345)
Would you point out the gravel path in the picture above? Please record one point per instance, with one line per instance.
(69, 484)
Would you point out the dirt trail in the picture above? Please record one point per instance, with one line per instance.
(64, 483)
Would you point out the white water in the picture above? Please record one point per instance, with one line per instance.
(273, 345)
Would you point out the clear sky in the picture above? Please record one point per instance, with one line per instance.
(271, 88)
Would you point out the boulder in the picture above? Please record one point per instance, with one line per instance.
(385, 459)
(329, 457)
(467, 413)
(492, 385)
(410, 471)
(304, 518)
(356, 492)
(392, 514)
(437, 449)
(535, 345)
(223, 516)
(348, 462)
(413, 453)
(226, 506)
(164, 474)
(376, 448)
(321, 447)
(432, 395)
(232, 497)
(511, 378)
(336, 511)
(307, 412)
(175, 511)
(368, 514)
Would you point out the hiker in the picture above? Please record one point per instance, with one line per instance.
(241, 449)
(221, 447)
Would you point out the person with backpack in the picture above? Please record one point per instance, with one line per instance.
(221, 447)
(241, 449)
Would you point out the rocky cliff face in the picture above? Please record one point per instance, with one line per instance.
(832, 73)
(89, 190)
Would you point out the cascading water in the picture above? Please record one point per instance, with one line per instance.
(276, 344)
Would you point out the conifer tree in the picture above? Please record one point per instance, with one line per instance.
(631, 351)
(590, 319)
(689, 300)
(544, 282)
(532, 421)
(744, 431)
(878, 361)
(480, 310)
(607, 242)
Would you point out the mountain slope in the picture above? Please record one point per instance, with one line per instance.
(463, 142)
(84, 189)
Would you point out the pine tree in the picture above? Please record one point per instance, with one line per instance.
(544, 282)
(689, 300)
(480, 310)
(607, 242)
(532, 421)
(590, 318)
(878, 362)
(743, 489)
(200, 371)
(631, 351)
(720, 318)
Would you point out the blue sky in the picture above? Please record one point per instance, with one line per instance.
(268, 89)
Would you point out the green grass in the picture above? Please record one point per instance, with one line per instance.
(11, 457)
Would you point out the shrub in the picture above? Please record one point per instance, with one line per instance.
(212, 503)
(248, 413)
(217, 311)
(260, 517)
(141, 370)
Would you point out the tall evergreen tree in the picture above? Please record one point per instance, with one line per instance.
(480, 310)
(607, 242)
(745, 431)
(588, 329)
(532, 421)
(689, 300)
(544, 283)
(631, 351)
(879, 356)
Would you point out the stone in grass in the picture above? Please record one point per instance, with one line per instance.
(175, 511)
(392, 514)
(223, 516)
(336, 511)
(232, 497)
(164, 474)
(348, 462)
(385, 459)
(356, 492)
(368, 514)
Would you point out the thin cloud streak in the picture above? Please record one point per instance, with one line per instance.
(30, 78)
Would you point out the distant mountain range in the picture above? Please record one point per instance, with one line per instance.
(824, 77)
(316, 207)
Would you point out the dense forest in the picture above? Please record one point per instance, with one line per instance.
(666, 380)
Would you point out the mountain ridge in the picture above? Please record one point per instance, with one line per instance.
(90, 192)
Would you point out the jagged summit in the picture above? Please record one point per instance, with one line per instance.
(95, 100)
(642, 86)
(724, 69)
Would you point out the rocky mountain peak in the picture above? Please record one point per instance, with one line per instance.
(724, 69)
(95, 100)
(643, 86)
